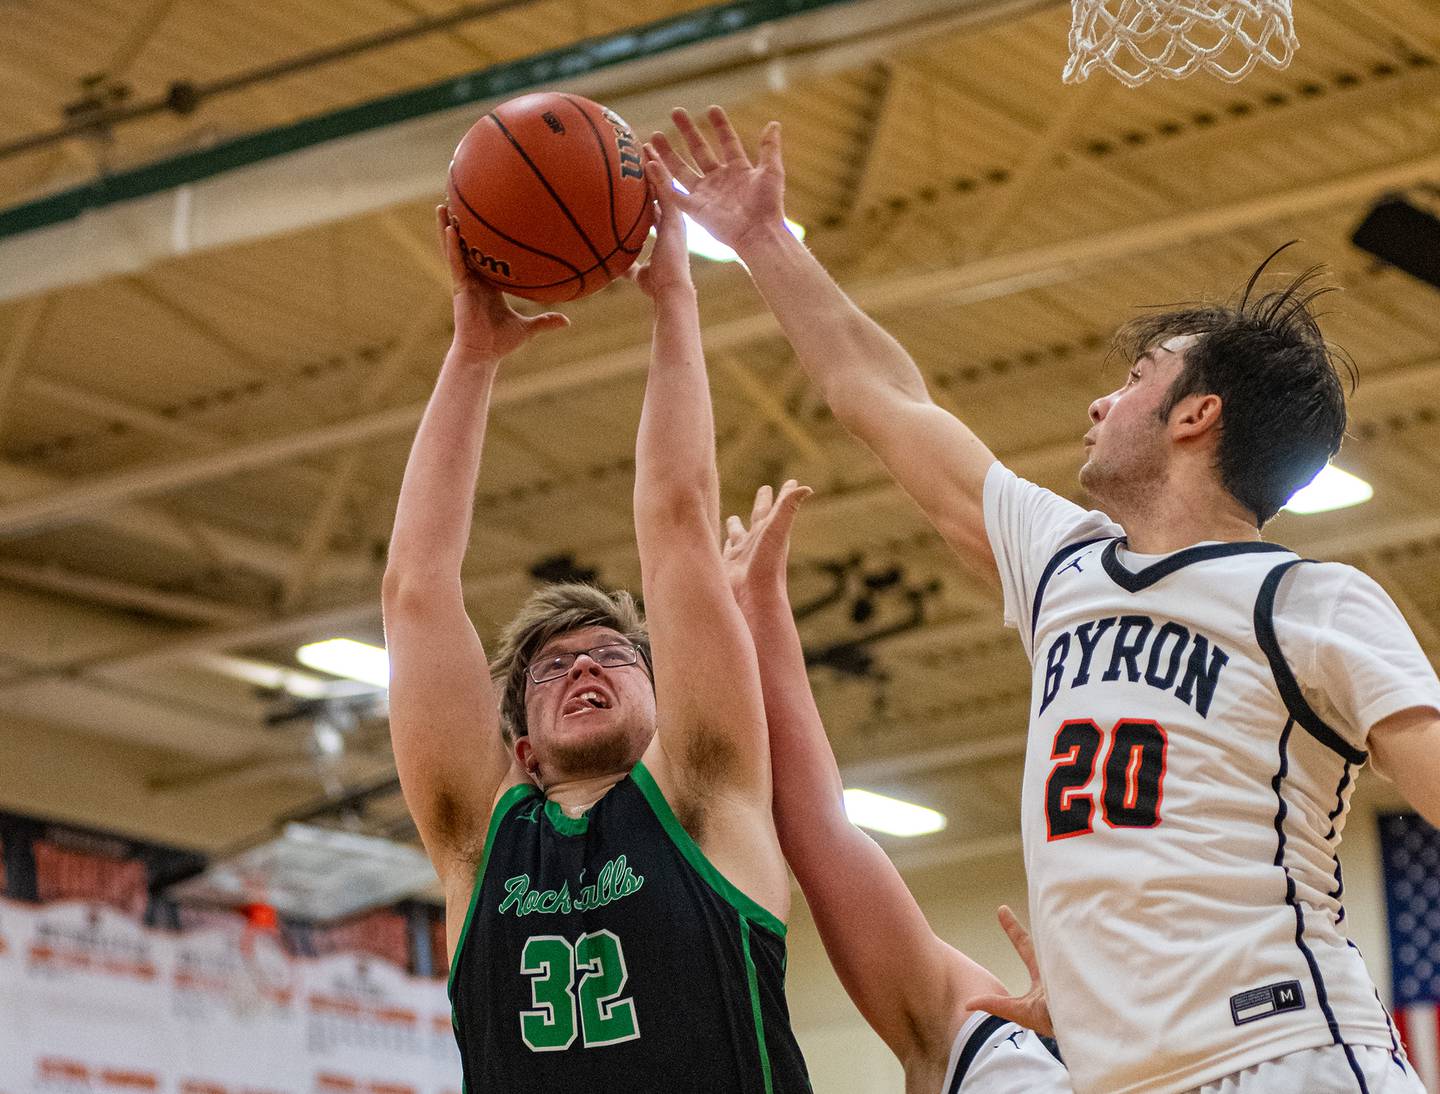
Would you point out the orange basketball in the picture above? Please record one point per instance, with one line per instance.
(549, 197)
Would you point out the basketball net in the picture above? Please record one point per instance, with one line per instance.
(1135, 40)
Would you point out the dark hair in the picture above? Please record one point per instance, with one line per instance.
(1283, 407)
(554, 610)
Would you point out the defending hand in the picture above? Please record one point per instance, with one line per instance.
(726, 194)
(486, 326)
(755, 558)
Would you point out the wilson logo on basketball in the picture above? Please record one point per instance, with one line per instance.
(483, 263)
(630, 165)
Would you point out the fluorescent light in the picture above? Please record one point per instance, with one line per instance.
(891, 815)
(705, 245)
(348, 658)
(1330, 489)
(274, 677)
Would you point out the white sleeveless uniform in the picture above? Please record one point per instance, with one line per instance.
(1184, 796)
(993, 1056)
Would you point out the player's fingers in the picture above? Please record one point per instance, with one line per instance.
(998, 1005)
(662, 182)
(770, 157)
(1020, 939)
(764, 499)
(454, 256)
(792, 493)
(660, 148)
(731, 146)
(551, 320)
(700, 150)
(734, 530)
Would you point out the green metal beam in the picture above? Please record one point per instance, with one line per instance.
(498, 81)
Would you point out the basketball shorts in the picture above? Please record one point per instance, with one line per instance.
(1324, 1070)
(1004, 1059)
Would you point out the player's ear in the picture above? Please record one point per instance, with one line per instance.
(525, 757)
(1195, 415)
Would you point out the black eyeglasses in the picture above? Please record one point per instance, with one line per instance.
(612, 655)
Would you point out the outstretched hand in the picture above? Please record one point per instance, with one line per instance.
(669, 263)
(755, 557)
(1031, 1010)
(725, 193)
(485, 325)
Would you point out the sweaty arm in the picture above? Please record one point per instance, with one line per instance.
(916, 1013)
(870, 383)
(444, 720)
(709, 750)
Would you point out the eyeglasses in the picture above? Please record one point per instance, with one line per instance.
(613, 655)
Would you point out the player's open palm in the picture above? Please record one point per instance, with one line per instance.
(727, 194)
(755, 557)
(485, 325)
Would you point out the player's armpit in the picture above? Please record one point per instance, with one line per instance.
(1405, 748)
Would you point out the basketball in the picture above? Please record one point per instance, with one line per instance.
(548, 195)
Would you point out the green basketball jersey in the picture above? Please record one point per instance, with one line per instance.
(606, 953)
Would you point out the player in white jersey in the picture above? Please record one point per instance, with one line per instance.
(1203, 700)
(933, 1014)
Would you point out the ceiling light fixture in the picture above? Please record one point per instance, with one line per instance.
(892, 816)
(1330, 489)
(705, 245)
(348, 658)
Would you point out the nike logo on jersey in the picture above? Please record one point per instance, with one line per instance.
(1167, 657)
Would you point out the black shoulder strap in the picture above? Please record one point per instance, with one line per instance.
(1295, 702)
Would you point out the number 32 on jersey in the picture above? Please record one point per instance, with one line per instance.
(1132, 776)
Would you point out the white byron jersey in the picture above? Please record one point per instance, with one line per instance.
(1182, 805)
(993, 1056)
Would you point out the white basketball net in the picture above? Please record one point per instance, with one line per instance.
(1134, 40)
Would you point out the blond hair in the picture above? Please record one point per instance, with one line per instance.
(555, 610)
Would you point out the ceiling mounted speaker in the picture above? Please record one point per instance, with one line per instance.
(1404, 235)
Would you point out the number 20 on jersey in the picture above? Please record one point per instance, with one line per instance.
(1132, 781)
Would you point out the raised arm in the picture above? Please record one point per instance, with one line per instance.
(443, 711)
(870, 383)
(917, 1013)
(710, 740)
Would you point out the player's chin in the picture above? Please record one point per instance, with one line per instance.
(597, 750)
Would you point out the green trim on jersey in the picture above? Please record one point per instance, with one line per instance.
(748, 908)
(565, 824)
(755, 1014)
(507, 802)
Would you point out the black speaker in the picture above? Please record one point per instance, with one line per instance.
(1405, 236)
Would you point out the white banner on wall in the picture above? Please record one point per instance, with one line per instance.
(93, 1003)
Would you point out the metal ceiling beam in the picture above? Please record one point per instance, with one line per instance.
(984, 279)
(152, 525)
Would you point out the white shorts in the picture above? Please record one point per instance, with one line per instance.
(1324, 1070)
(994, 1057)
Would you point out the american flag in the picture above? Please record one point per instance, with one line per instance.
(1411, 850)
